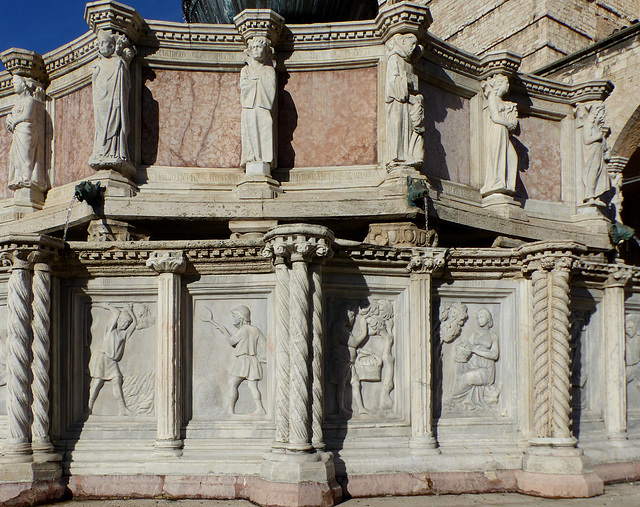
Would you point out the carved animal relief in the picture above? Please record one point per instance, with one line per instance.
(361, 358)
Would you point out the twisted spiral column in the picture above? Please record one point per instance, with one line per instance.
(282, 353)
(551, 351)
(317, 402)
(299, 355)
(18, 358)
(40, 365)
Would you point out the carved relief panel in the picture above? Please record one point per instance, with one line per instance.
(632, 365)
(475, 355)
(587, 368)
(105, 361)
(228, 349)
(122, 358)
(3, 357)
(361, 358)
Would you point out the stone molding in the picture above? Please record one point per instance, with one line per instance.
(114, 17)
(25, 63)
(428, 262)
(266, 23)
(299, 242)
(403, 17)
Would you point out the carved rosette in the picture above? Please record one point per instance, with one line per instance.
(299, 342)
(550, 273)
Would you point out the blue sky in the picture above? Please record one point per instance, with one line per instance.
(44, 25)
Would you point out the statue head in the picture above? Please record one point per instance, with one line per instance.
(404, 45)
(631, 325)
(106, 44)
(259, 49)
(496, 85)
(22, 85)
(241, 315)
(484, 318)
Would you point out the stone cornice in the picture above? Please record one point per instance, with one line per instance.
(24, 250)
(22, 62)
(403, 17)
(114, 17)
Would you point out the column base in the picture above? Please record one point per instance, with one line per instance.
(558, 472)
(424, 446)
(591, 218)
(48, 467)
(168, 448)
(292, 480)
(27, 200)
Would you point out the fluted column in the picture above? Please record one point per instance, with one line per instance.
(553, 448)
(19, 297)
(615, 383)
(169, 266)
(422, 267)
(40, 326)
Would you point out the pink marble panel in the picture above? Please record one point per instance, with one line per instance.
(447, 134)
(327, 118)
(190, 119)
(5, 145)
(539, 160)
(73, 133)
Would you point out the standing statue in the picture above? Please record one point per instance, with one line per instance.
(405, 112)
(247, 365)
(501, 159)
(111, 85)
(475, 359)
(595, 151)
(27, 122)
(104, 363)
(257, 96)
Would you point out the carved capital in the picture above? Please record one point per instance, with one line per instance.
(429, 262)
(115, 18)
(618, 278)
(500, 62)
(29, 249)
(299, 242)
(616, 164)
(167, 262)
(266, 23)
(403, 17)
(550, 256)
(25, 63)
(401, 234)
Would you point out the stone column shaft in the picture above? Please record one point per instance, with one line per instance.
(40, 367)
(169, 265)
(299, 433)
(317, 387)
(615, 382)
(282, 354)
(19, 360)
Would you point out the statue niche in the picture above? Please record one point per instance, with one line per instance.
(404, 104)
(27, 122)
(111, 85)
(501, 159)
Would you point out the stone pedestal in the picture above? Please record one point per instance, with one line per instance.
(250, 229)
(505, 206)
(591, 218)
(258, 186)
(27, 200)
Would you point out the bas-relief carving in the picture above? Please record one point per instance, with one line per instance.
(501, 159)
(579, 325)
(404, 104)
(361, 359)
(27, 123)
(257, 96)
(117, 333)
(249, 348)
(111, 85)
(632, 360)
(229, 359)
(469, 351)
(595, 151)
